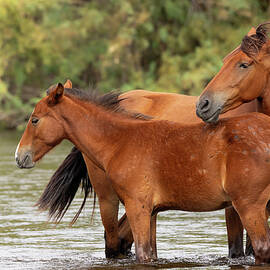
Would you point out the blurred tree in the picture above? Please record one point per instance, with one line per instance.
(158, 45)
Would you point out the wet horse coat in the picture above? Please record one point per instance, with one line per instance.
(160, 165)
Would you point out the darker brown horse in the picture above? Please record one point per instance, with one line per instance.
(159, 165)
(244, 77)
(61, 190)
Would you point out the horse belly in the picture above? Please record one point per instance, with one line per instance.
(202, 202)
(201, 191)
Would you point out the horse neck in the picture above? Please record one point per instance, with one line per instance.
(93, 130)
(264, 100)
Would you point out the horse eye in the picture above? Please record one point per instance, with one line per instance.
(34, 121)
(243, 65)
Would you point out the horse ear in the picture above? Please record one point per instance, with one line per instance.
(251, 32)
(56, 94)
(68, 84)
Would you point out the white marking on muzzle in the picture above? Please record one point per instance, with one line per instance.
(16, 152)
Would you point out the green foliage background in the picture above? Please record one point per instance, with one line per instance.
(159, 45)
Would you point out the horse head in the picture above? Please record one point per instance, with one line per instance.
(242, 78)
(43, 130)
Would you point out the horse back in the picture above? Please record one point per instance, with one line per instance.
(173, 107)
(167, 106)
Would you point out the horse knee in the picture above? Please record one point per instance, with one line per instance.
(262, 251)
(143, 253)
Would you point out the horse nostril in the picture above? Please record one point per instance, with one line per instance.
(18, 162)
(205, 105)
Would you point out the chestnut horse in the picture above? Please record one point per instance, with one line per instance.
(159, 165)
(61, 190)
(244, 77)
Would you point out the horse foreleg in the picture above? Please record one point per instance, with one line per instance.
(255, 222)
(249, 249)
(125, 235)
(234, 232)
(139, 219)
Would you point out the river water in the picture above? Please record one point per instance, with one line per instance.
(28, 241)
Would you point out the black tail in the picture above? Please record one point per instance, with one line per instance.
(63, 186)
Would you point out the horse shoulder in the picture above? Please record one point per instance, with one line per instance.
(131, 167)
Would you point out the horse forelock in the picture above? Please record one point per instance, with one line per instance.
(251, 45)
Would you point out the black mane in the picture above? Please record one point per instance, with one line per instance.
(109, 101)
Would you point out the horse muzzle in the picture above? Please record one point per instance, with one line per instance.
(24, 160)
(207, 110)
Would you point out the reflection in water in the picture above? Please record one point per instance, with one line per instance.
(185, 240)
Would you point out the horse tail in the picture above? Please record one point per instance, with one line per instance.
(61, 189)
